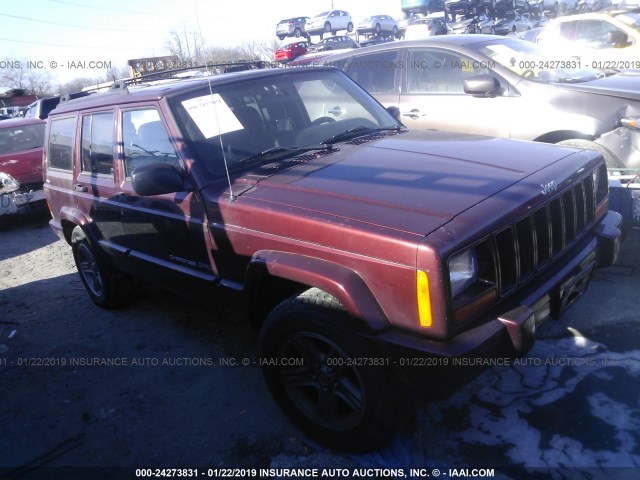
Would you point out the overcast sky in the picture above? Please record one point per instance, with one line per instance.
(57, 35)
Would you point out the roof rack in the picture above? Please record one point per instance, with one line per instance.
(122, 85)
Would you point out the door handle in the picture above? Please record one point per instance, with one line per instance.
(78, 187)
(414, 114)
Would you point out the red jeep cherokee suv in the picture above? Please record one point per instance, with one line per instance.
(355, 246)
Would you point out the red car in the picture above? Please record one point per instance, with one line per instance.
(291, 51)
(21, 179)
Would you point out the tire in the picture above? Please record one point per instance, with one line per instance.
(327, 27)
(378, 28)
(107, 287)
(297, 33)
(610, 160)
(281, 37)
(346, 407)
(395, 32)
(350, 27)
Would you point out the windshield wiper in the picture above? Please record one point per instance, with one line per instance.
(356, 132)
(284, 152)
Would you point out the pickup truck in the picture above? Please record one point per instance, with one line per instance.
(368, 256)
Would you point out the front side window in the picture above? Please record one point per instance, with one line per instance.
(62, 133)
(145, 140)
(98, 143)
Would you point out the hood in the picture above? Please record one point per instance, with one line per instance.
(621, 85)
(413, 182)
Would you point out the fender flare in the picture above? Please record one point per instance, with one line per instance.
(335, 279)
(72, 216)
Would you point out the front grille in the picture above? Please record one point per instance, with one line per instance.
(525, 247)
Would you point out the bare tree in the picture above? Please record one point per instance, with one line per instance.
(259, 50)
(187, 45)
(34, 81)
(13, 73)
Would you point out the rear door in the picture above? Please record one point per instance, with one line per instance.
(378, 73)
(95, 185)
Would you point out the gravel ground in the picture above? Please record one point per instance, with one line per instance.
(172, 397)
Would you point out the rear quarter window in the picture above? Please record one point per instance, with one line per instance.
(62, 134)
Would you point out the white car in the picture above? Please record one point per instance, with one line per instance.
(512, 24)
(599, 40)
(378, 24)
(329, 22)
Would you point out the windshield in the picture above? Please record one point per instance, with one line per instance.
(534, 62)
(257, 120)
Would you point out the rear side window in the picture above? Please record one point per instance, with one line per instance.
(20, 139)
(375, 72)
(145, 140)
(98, 143)
(62, 133)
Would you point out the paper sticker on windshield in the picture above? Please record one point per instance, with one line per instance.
(212, 115)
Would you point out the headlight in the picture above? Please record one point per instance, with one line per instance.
(463, 271)
(631, 122)
(8, 184)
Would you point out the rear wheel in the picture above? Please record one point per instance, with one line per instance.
(610, 160)
(350, 27)
(297, 33)
(328, 393)
(107, 287)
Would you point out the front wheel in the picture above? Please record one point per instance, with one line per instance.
(311, 363)
(350, 27)
(107, 287)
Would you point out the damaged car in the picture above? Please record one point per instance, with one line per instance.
(21, 141)
(358, 249)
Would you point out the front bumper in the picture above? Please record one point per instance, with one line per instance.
(17, 200)
(509, 331)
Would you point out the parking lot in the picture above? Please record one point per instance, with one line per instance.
(89, 393)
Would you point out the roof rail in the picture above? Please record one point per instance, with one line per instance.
(218, 68)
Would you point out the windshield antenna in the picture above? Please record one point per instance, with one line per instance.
(209, 72)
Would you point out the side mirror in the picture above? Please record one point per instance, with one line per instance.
(395, 112)
(483, 85)
(617, 38)
(158, 179)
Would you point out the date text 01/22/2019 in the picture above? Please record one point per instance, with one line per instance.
(313, 472)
